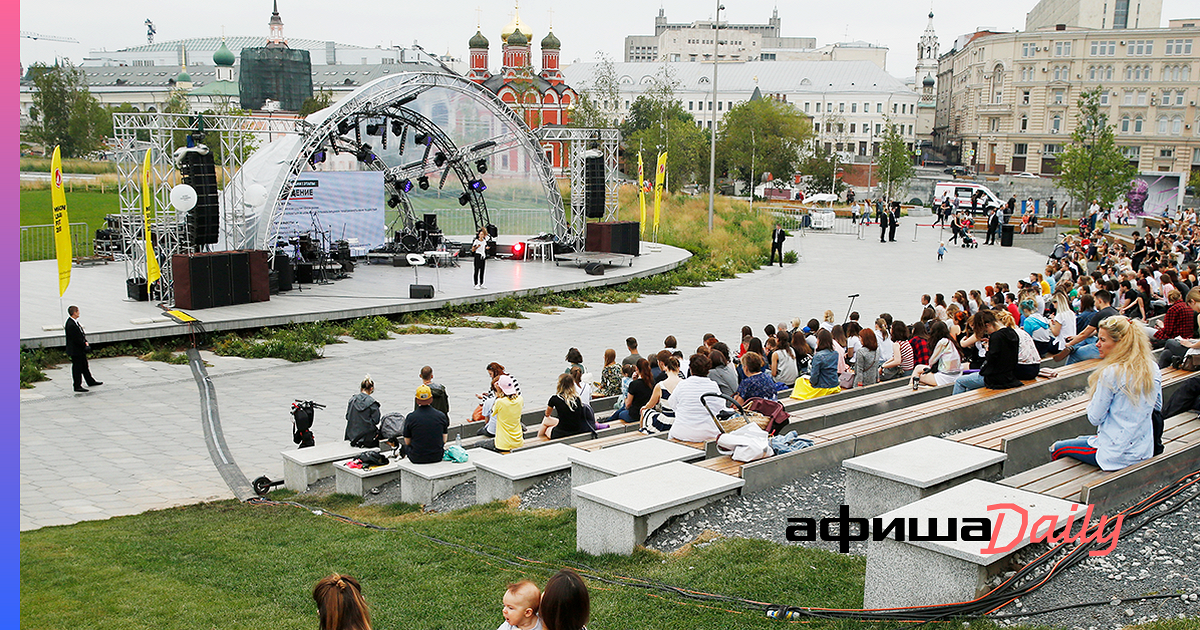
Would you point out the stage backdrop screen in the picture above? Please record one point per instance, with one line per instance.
(343, 205)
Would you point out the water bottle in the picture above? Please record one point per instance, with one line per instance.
(458, 440)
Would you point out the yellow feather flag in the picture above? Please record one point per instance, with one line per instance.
(642, 194)
(152, 271)
(62, 226)
(659, 177)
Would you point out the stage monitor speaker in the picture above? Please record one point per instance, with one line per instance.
(594, 269)
(239, 277)
(431, 222)
(593, 186)
(625, 238)
(420, 291)
(283, 265)
(260, 280)
(221, 272)
(204, 220)
(304, 273)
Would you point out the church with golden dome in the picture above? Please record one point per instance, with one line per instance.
(541, 98)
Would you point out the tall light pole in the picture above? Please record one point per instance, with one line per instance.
(712, 148)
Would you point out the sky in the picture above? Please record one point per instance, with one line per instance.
(585, 28)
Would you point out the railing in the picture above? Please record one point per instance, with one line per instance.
(799, 220)
(37, 241)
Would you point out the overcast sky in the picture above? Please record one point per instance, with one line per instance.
(584, 27)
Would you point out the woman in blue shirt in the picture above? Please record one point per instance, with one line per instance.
(1126, 388)
(823, 376)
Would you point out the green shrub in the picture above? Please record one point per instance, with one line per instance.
(35, 361)
(372, 328)
(790, 257)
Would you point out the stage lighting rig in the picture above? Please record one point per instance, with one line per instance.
(393, 201)
(439, 159)
(422, 138)
(398, 128)
(423, 182)
(477, 185)
(345, 126)
(365, 155)
(481, 166)
(406, 185)
(464, 199)
(317, 157)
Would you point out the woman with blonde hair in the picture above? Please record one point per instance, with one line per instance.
(566, 403)
(1126, 389)
(340, 604)
(827, 320)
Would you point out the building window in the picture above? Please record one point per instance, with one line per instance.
(1132, 153)
(1179, 46)
(841, 128)
(1162, 125)
(1020, 149)
(1137, 125)
(866, 107)
(1128, 98)
(1024, 123)
(1027, 50)
(1166, 153)
(1104, 97)
(993, 124)
(1024, 97)
(1051, 150)
(1056, 123)
(1176, 126)
(1104, 49)
(718, 105)
(841, 108)
(1141, 97)
(878, 108)
(690, 105)
(851, 127)
(806, 108)
(1062, 49)
(817, 127)
(853, 108)
(1125, 124)
(878, 129)
(1179, 97)
(1140, 47)
(710, 106)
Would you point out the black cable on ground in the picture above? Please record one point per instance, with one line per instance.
(214, 438)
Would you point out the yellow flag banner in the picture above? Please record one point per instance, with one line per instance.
(642, 194)
(152, 271)
(62, 225)
(660, 176)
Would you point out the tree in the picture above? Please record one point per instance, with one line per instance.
(1092, 166)
(597, 104)
(656, 123)
(895, 165)
(64, 111)
(766, 132)
(315, 103)
(818, 170)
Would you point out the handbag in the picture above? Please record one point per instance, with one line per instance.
(371, 459)
(477, 415)
(746, 444)
(455, 453)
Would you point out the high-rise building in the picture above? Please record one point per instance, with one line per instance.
(694, 42)
(1095, 14)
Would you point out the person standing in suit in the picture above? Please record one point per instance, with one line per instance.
(77, 348)
(893, 221)
(882, 215)
(777, 238)
(993, 227)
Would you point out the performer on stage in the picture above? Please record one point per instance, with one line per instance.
(479, 252)
(77, 347)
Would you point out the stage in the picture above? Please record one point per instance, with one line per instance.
(372, 289)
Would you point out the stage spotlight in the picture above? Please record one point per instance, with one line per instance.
(393, 201)
(375, 129)
(406, 185)
(477, 185)
(464, 199)
(422, 138)
(481, 166)
(397, 128)
(423, 182)
(317, 157)
(518, 250)
(364, 154)
(439, 159)
(344, 127)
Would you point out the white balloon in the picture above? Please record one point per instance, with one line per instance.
(255, 195)
(183, 197)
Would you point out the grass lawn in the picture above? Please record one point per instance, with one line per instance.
(82, 207)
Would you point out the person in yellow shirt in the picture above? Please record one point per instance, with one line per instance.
(507, 411)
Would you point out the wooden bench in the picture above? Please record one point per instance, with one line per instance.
(302, 467)
(836, 444)
(1074, 480)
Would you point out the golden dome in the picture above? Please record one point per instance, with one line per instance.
(515, 24)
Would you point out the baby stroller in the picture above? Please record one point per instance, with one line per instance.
(968, 240)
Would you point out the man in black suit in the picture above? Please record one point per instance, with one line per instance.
(77, 347)
(893, 221)
(882, 215)
(993, 226)
(777, 238)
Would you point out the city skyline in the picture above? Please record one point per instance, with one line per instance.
(897, 26)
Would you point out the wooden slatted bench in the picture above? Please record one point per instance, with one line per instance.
(1076, 481)
(792, 405)
(614, 429)
(835, 444)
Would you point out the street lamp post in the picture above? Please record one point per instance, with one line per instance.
(712, 148)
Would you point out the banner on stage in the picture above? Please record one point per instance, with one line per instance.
(344, 205)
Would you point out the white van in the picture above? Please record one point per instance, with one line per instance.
(963, 191)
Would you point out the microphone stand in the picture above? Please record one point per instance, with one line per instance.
(851, 307)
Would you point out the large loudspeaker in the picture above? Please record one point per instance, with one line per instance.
(192, 281)
(239, 277)
(619, 237)
(593, 186)
(1006, 236)
(221, 272)
(204, 220)
(220, 279)
(420, 291)
(283, 266)
(260, 278)
(431, 222)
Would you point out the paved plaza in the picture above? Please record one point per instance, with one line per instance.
(136, 443)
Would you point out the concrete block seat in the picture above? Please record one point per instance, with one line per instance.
(614, 429)
(360, 481)
(1024, 438)
(302, 467)
(1074, 480)
(615, 515)
(906, 473)
(929, 572)
(839, 409)
(502, 477)
(835, 444)
(621, 459)
(422, 483)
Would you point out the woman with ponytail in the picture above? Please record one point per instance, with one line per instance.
(340, 604)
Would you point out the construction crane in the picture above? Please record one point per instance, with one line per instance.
(49, 38)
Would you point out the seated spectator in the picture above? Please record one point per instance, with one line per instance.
(1082, 346)
(627, 372)
(1087, 311)
(632, 359)
(441, 401)
(670, 344)
(722, 373)
(582, 389)
(660, 397)
(866, 359)
(362, 416)
(1125, 391)
(757, 383)
(918, 339)
(823, 377)
(1037, 327)
(610, 375)
(340, 604)
(568, 406)
(945, 356)
(827, 320)
(901, 363)
(521, 602)
(755, 346)
(574, 359)
(803, 354)
(1000, 362)
(487, 399)
(425, 430)
(565, 603)
(1062, 326)
(640, 388)
(783, 360)
(694, 423)
(747, 333)
(1179, 323)
(507, 411)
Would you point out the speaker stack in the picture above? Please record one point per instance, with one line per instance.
(593, 185)
(619, 237)
(213, 279)
(204, 220)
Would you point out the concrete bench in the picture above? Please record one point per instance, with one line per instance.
(950, 571)
(906, 473)
(302, 467)
(836, 444)
(360, 481)
(588, 467)
(500, 478)
(1072, 479)
(422, 483)
(615, 515)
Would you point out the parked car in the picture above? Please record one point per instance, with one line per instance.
(958, 171)
(1026, 175)
(963, 191)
